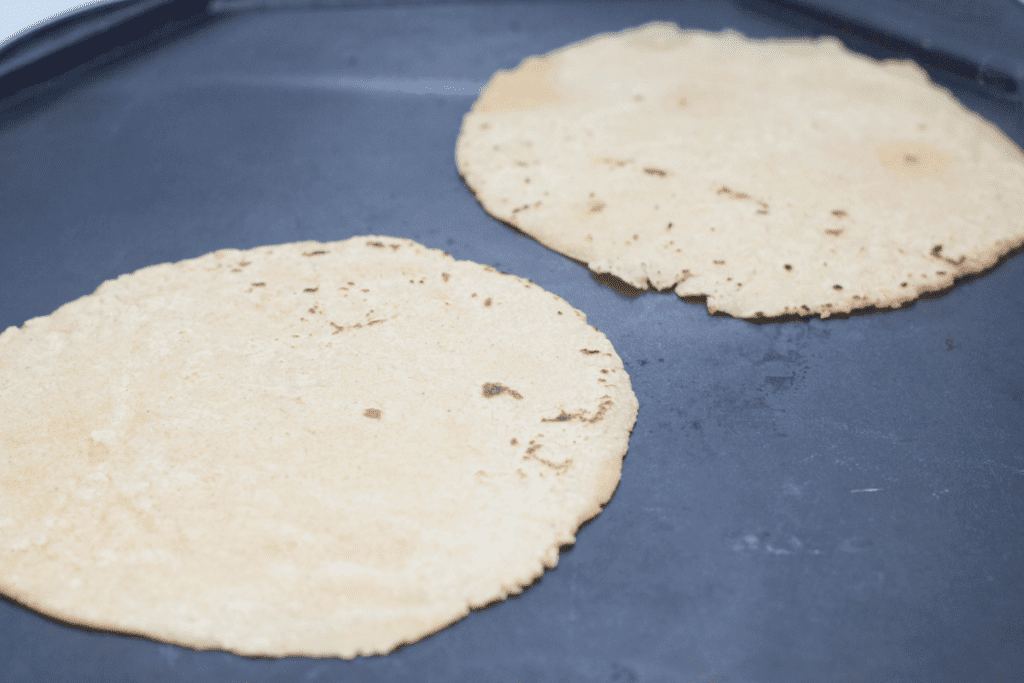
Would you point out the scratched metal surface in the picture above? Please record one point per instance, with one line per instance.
(834, 500)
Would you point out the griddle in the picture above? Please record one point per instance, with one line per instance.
(807, 500)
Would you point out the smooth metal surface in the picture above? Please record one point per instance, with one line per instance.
(834, 500)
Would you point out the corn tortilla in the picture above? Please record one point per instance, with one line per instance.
(302, 449)
(773, 177)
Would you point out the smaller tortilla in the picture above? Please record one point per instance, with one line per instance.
(302, 449)
(773, 177)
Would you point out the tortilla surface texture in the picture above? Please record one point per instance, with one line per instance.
(773, 177)
(303, 449)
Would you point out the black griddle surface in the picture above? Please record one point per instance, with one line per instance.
(837, 500)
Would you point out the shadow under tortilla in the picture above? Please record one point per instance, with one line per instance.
(620, 286)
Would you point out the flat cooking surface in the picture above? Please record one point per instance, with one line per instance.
(834, 500)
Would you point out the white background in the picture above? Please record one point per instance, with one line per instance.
(18, 15)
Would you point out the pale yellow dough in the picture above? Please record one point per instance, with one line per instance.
(774, 177)
(303, 449)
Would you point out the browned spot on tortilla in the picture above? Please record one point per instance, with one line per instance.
(558, 467)
(372, 413)
(596, 207)
(492, 389)
(655, 171)
(913, 159)
(445, 276)
(838, 213)
(581, 416)
(311, 289)
(259, 284)
(835, 232)
(589, 352)
(378, 245)
(732, 193)
(487, 301)
(937, 253)
(305, 253)
(514, 441)
(528, 85)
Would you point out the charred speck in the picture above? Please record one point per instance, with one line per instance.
(492, 389)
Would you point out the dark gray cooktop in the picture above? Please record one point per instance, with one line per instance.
(837, 500)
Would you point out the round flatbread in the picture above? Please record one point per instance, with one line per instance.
(773, 177)
(302, 449)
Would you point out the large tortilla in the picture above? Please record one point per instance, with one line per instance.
(303, 449)
(773, 177)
